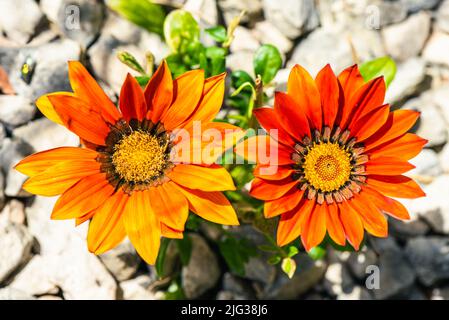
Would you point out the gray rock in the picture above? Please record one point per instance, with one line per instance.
(61, 244)
(427, 164)
(443, 16)
(81, 20)
(396, 274)
(12, 151)
(206, 13)
(202, 272)
(244, 40)
(106, 66)
(241, 60)
(15, 110)
(430, 259)
(51, 135)
(14, 211)
(410, 75)
(267, 33)
(331, 45)
(444, 158)
(233, 8)
(239, 289)
(2, 190)
(436, 48)
(258, 269)
(15, 248)
(441, 98)
(122, 261)
(338, 280)
(50, 72)
(308, 274)
(359, 261)
(51, 8)
(9, 293)
(406, 39)
(138, 289)
(293, 18)
(417, 5)
(20, 19)
(408, 229)
(440, 293)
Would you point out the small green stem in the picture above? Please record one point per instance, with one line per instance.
(258, 102)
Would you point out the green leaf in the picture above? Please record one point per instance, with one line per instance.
(288, 266)
(218, 33)
(267, 62)
(292, 251)
(240, 77)
(143, 13)
(176, 64)
(185, 249)
(129, 60)
(275, 259)
(161, 257)
(143, 80)
(181, 30)
(317, 253)
(174, 291)
(236, 253)
(217, 61)
(384, 66)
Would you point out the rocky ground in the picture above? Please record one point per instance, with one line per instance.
(44, 259)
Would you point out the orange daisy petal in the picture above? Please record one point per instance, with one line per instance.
(291, 223)
(350, 81)
(78, 117)
(187, 91)
(212, 178)
(142, 226)
(286, 203)
(45, 106)
(294, 120)
(265, 172)
(327, 84)
(171, 233)
(334, 225)
(386, 204)
(373, 220)
(389, 166)
(370, 123)
(269, 120)
(132, 101)
(315, 228)
(396, 186)
(41, 161)
(398, 123)
(86, 88)
(106, 230)
(271, 190)
(58, 178)
(159, 92)
(212, 206)
(302, 88)
(352, 224)
(170, 204)
(405, 147)
(83, 197)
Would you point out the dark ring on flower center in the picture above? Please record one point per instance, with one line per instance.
(136, 155)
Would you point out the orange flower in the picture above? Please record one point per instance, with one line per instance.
(128, 180)
(341, 156)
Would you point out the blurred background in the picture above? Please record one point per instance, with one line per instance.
(44, 259)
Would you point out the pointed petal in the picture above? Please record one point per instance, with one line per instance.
(212, 206)
(284, 204)
(132, 101)
(159, 92)
(44, 105)
(315, 228)
(291, 223)
(389, 166)
(78, 117)
(334, 225)
(60, 177)
(171, 233)
(83, 197)
(142, 226)
(352, 224)
(266, 173)
(329, 88)
(212, 178)
(271, 190)
(41, 161)
(396, 186)
(302, 88)
(370, 123)
(386, 204)
(86, 88)
(187, 94)
(350, 81)
(269, 120)
(398, 123)
(405, 147)
(294, 120)
(106, 229)
(373, 220)
(170, 204)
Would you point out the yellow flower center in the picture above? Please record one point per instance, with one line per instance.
(327, 166)
(139, 157)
